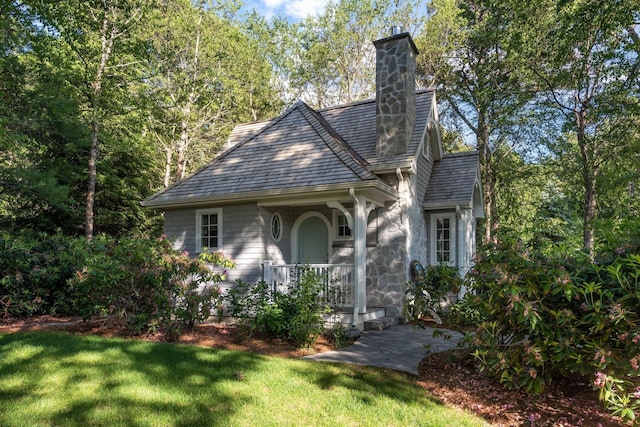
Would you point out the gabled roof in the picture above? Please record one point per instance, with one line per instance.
(356, 123)
(298, 150)
(455, 180)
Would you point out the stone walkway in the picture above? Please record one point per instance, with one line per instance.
(400, 347)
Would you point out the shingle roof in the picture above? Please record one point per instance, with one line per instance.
(298, 149)
(356, 123)
(453, 179)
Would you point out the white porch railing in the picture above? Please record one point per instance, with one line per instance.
(337, 280)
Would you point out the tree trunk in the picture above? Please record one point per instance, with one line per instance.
(183, 144)
(107, 38)
(491, 224)
(589, 173)
(91, 186)
(167, 166)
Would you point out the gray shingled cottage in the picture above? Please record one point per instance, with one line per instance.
(356, 191)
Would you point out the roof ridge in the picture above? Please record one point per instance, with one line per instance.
(365, 101)
(338, 144)
(462, 153)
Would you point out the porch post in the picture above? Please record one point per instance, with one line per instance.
(360, 214)
(266, 272)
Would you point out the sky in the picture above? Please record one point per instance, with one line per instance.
(294, 10)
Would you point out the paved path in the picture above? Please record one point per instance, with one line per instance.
(400, 347)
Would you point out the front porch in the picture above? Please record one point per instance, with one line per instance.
(338, 292)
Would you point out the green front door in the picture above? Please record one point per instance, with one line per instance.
(313, 241)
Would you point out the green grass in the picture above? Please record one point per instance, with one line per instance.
(49, 378)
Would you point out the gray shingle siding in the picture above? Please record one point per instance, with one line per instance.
(180, 228)
(424, 167)
(243, 237)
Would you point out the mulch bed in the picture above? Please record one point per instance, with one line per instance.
(451, 377)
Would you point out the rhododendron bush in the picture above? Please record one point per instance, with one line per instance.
(138, 281)
(559, 315)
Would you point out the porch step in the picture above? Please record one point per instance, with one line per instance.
(345, 316)
(380, 324)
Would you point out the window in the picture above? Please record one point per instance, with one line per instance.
(426, 146)
(343, 230)
(276, 227)
(443, 240)
(208, 229)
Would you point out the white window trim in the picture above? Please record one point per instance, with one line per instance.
(336, 213)
(426, 146)
(276, 215)
(199, 213)
(452, 238)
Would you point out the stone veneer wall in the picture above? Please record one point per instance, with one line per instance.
(387, 263)
(395, 93)
(417, 238)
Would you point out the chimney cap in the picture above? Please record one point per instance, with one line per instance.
(381, 42)
(396, 30)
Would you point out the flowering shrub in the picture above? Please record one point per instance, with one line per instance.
(546, 317)
(147, 284)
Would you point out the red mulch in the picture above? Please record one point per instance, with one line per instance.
(450, 377)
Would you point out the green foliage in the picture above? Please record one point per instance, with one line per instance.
(428, 292)
(465, 312)
(295, 314)
(146, 284)
(551, 316)
(137, 280)
(34, 271)
(339, 336)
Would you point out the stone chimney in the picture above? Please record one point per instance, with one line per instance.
(395, 92)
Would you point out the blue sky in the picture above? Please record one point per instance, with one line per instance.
(294, 10)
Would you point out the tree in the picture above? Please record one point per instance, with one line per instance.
(584, 56)
(207, 77)
(98, 34)
(330, 59)
(466, 53)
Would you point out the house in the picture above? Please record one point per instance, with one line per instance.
(356, 191)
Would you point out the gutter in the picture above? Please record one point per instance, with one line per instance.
(383, 191)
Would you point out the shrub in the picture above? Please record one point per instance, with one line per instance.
(295, 314)
(34, 270)
(427, 293)
(553, 316)
(465, 312)
(146, 284)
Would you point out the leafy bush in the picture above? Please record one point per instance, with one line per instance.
(34, 271)
(427, 293)
(146, 283)
(138, 280)
(553, 316)
(465, 312)
(295, 314)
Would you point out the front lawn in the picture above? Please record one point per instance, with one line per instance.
(49, 378)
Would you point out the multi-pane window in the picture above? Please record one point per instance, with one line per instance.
(443, 239)
(209, 229)
(343, 226)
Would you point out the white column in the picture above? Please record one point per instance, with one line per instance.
(360, 252)
(266, 271)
